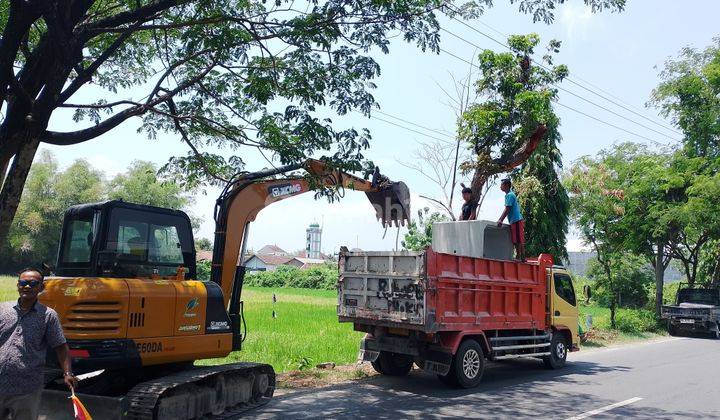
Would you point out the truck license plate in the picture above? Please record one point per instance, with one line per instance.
(687, 321)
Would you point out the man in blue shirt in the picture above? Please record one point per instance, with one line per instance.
(517, 224)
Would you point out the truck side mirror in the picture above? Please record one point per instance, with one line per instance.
(587, 291)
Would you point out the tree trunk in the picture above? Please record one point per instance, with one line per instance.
(4, 163)
(715, 277)
(659, 278)
(613, 300)
(454, 176)
(12, 188)
(692, 276)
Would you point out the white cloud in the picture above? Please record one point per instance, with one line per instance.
(108, 166)
(577, 20)
(577, 245)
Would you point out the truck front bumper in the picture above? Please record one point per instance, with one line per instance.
(694, 325)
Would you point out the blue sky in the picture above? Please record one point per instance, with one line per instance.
(616, 52)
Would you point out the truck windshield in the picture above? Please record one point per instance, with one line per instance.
(702, 296)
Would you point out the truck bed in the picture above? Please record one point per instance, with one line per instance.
(431, 292)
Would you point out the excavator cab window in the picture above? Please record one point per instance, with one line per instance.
(76, 250)
(146, 243)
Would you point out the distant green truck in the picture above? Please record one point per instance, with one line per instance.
(694, 311)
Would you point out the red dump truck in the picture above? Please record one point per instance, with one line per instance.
(458, 303)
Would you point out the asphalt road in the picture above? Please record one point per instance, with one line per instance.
(673, 378)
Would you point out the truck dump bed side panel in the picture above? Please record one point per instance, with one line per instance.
(382, 287)
(480, 293)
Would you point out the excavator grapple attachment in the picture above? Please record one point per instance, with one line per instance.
(391, 203)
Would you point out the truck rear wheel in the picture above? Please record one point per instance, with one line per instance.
(672, 329)
(393, 364)
(558, 352)
(467, 366)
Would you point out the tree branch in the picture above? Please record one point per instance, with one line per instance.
(136, 15)
(87, 73)
(75, 137)
(441, 204)
(20, 19)
(499, 165)
(186, 139)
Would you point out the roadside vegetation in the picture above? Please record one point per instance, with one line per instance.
(321, 277)
(35, 232)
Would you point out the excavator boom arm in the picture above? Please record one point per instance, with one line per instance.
(244, 197)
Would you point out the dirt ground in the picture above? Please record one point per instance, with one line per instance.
(318, 378)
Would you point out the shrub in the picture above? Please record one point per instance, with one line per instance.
(632, 282)
(670, 292)
(636, 321)
(317, 277)
(203, 270)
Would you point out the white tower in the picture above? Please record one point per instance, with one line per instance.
(313, 240)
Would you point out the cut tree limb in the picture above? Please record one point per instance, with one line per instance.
(500, 165)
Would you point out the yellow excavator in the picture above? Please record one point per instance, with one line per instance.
(136, 318)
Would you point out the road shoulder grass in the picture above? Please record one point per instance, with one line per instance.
(8, 288)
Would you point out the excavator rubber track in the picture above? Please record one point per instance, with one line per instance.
(202, 392)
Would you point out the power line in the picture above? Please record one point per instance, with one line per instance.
(565, 106)
(615, 113)
(587, 82)
(576, 95)
(568, 78)
(408, 129)
(440, 132)
(607, 123)
(626, 108)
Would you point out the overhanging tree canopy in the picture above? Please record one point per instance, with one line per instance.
(230, 73)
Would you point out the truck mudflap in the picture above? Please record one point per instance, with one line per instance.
(430, 358)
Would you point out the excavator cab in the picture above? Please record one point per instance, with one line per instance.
(119, 239)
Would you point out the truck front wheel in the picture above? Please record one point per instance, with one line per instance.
(393, 364)
(467, 366)
(558, 352)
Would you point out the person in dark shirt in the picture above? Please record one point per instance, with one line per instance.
(27, 330)
(469, 207)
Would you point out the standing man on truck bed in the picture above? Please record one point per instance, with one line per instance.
(517, 224)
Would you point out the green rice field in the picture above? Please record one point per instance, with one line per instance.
(303, 333)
